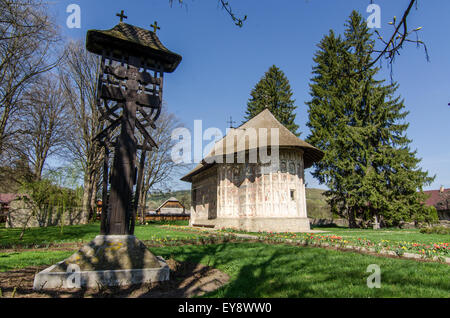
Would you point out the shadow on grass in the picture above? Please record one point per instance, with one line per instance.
(261, 270)
(264, 270)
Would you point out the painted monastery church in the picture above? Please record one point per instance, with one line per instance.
(234, 188)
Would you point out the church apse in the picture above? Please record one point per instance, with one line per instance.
(229, 192)
(255, 196)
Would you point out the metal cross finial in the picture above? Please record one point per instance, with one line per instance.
(155, 26)
(231, 122)
(122, 16)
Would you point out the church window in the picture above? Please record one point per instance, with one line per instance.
(283, 166)
(292, 168)
(194, 196)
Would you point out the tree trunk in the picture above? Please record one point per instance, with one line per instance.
(86, 204)
(93, 208)
(87, 197)
(141, 206)
(351, 218)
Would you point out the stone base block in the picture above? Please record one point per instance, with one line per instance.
(114, 260)
(256, 224)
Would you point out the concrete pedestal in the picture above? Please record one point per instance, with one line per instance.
(108, 260)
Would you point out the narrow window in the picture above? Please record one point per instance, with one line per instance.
(293, 194)
(194, 196)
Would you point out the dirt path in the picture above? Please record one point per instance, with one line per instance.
(186, 280)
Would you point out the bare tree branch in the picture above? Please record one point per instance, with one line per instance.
(398, 38)
(79, 74)
(46, 122)
(238, 21)
(27, 38)
(159, 166)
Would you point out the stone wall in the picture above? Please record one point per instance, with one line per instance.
(329, 222)
(204, 195)
(21, 214)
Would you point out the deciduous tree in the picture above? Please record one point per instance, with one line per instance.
(28, 37)
(159, 166)
(79, 77)
(45, 121)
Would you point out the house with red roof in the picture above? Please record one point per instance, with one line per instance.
(440, 199)
(5, 200)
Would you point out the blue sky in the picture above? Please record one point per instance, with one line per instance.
(222, 63)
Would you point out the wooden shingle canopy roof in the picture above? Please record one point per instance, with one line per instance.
(265, 119)
(133, 40)
(172, 199)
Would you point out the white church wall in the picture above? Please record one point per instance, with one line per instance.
(253, 196)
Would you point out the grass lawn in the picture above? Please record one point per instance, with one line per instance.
(261, 270)
(265, 270)
(398, 240)
(394, 235)
(18, 260)
(41, 236)
(9, 238)
(391, 234)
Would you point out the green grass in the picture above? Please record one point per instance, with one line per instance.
(9, 238)
(392, 235)
(395, 240)
(175, 222)
(41, 236)
(152, 231)
(260, 270)
(436, 230)
(12, 261)
(264, 270)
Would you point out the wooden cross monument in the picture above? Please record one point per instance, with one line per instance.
(129, 97)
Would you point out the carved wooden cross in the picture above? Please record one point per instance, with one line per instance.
(129, 98)
(155, 27)
(231, 122)
(122, 16)
(121, 213)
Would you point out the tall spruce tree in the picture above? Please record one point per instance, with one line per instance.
(274, 93)
(358, 121)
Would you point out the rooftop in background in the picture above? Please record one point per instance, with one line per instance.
(435, 198)
(6, 198)
(135, 41)
(170, 200)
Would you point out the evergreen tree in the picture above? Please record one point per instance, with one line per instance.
(274, 93)
(360, 124)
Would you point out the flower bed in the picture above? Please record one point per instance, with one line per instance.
(439, 250)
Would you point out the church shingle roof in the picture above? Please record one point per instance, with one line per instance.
(265, 119)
